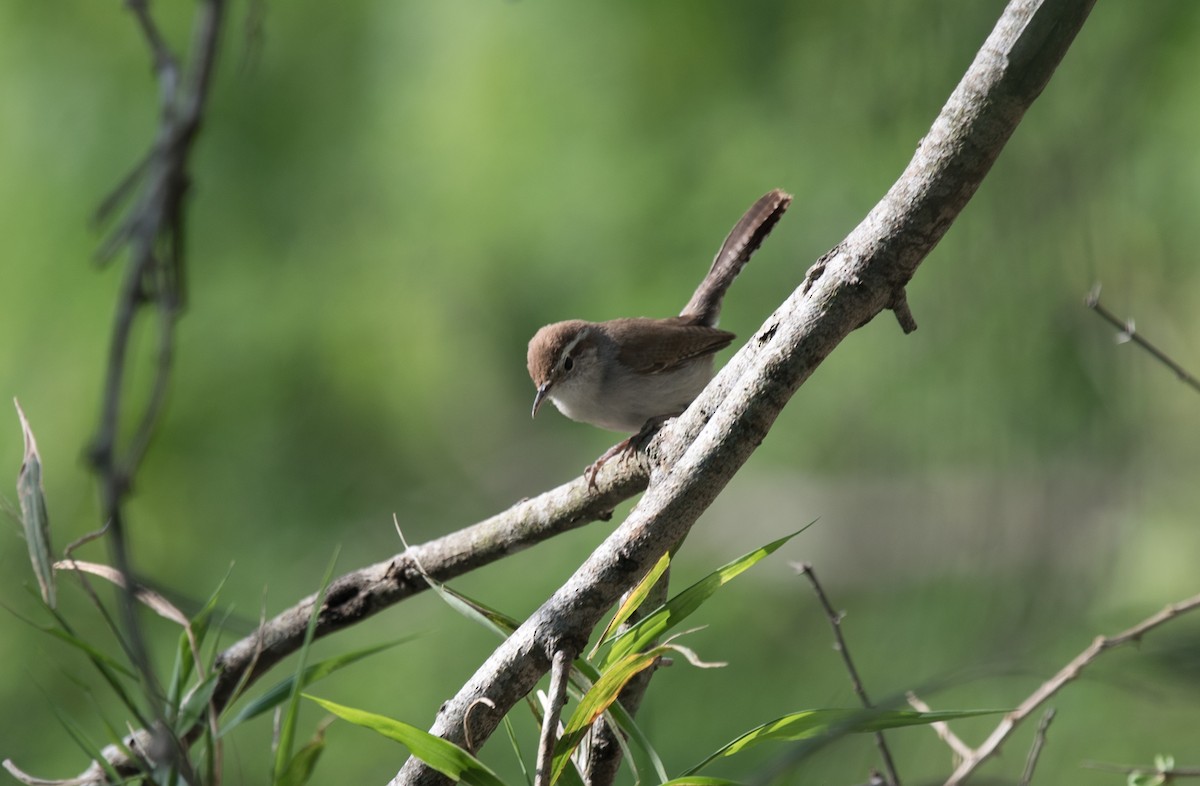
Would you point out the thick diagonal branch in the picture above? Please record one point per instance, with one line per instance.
(698, 454)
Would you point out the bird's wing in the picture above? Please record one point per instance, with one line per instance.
(652, 346)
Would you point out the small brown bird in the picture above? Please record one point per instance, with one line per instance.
(631, 374)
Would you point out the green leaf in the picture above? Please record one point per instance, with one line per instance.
(35, 519)
(300, 769)
(442, 755)
(287, 728)
(181, 672)
(494, 620)
(699, 780)
(596, 701)
(570, 777)
(89, 748)
(101, 660)
(808, 724)
(516, 746)
(634, 599)
(279, 692)
(195, 704)
(109, 669)
(678, 608)
(639, 743)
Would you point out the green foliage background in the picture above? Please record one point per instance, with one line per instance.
(391, 197)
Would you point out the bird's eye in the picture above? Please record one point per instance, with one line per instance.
(569, 363)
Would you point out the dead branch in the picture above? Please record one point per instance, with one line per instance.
(696, 455)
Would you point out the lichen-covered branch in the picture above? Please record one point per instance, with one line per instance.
(696, 455)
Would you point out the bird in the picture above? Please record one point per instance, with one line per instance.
(633, 374)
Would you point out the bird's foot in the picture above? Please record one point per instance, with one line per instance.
(625, 448)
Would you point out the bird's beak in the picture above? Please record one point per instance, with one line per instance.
(542, 392)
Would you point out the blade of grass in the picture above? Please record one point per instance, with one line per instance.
(493, 619)
(300, 769)
(110, 669)
(808, 724)
(516, 746)
(601, 696)
(639, 743)
(102, 661)
(633, 600)
(287, 728)
(442, 755)
(678, 608)
(280, 691)
(620, 718)
(181, 672)
(86, 745)
(195, 703)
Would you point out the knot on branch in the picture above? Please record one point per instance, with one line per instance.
(817, 270)
(899, 307)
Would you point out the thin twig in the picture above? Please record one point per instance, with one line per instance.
(165, 63)
(1128, 333)
(153, 232)
(835, 621)
(1150, 769)
(1066, 674)
(85, 539)
(961, 749)
(140, 441)
(559, 670)
(1035, 750)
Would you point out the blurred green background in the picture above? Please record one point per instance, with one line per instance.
(391, 197)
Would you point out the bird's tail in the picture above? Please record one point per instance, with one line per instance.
(743, 240)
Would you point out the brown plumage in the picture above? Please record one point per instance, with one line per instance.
(625, 373)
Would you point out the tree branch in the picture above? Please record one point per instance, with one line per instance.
(362, 593)
(835, 622)
(1035, 750)
(696, 455)
(1129, 333)
(153, 231)
(1068, 673)
(555, 699)
(960, 749)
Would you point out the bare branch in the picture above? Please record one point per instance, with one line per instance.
(696, 455)
(835, 622)
(1035, 750)
(364, 592)
(1069, 672)
(560, 670)
(1169, 774)
(1128, 333)
(961, 749)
